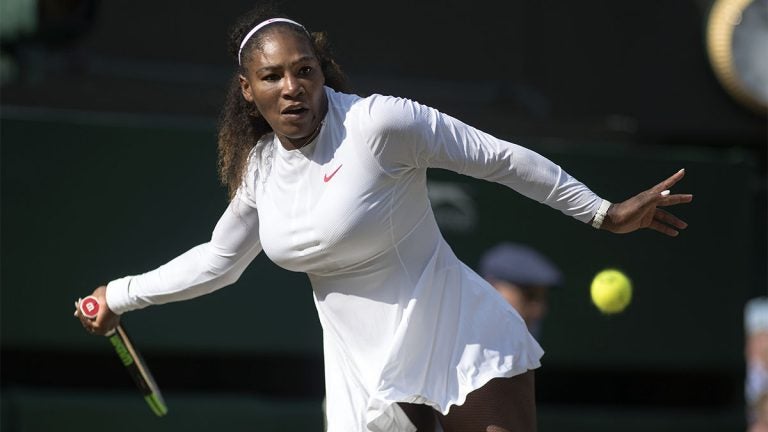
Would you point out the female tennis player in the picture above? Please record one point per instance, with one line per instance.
(335, 185)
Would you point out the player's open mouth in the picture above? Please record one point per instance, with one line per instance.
(294, 111)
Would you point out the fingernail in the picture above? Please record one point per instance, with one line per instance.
(682, 170)
(665, 192)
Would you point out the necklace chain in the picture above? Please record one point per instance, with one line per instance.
(313, 135)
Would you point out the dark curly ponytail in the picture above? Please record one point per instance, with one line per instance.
(240, 125)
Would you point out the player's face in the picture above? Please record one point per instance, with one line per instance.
(285, 82)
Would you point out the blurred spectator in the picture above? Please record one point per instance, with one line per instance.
(524, 277)
(756, 356)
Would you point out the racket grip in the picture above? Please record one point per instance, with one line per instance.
(90, 307)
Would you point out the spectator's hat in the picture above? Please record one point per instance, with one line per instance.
(520, 265)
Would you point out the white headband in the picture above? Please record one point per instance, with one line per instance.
(258, 27)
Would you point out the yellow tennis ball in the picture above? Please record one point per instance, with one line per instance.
(611, 291)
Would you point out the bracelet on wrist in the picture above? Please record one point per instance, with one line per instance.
(597, 221)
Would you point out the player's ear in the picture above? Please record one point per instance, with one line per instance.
(245, 88)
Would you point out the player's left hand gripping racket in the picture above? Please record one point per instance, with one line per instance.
(131, 359)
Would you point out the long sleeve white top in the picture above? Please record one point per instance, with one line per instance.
(403, 319)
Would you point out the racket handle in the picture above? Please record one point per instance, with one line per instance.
(130, 358)
(90, 307)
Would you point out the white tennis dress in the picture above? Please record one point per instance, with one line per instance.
(403, 319)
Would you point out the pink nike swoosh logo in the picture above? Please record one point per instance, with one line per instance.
(327, 178)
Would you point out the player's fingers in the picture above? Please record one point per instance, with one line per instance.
(669, 219)
(662, 228)
(87, 324)
(669, 182)
(669, 200)
(78, 312)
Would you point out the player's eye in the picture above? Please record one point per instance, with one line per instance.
(306, 70)
(271, 77)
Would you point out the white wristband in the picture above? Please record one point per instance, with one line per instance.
(597, 221)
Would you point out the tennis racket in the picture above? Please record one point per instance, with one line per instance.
(131, 359)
